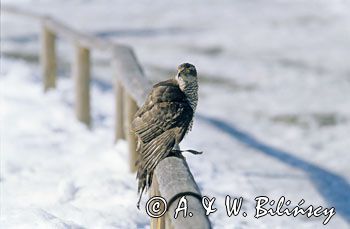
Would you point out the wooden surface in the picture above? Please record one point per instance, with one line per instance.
(156, 223)
(84, 40)
(174, 176)
(129, 112)
(48, 58)
(130, 73)
(21, 12)
(81, 75)
(119, 110)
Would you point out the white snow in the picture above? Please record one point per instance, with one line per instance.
(273, 117)
(55, 173)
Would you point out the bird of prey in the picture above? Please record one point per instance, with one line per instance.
(163, 120)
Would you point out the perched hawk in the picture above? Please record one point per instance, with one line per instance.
(164, 119)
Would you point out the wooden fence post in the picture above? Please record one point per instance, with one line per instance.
(129, 112)
(156, 223)
(81, 75)
(48, 57)
(119, 110)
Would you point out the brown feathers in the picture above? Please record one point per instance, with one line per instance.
(160, 124)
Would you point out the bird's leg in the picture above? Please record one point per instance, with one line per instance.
(193, 151)
(179, 152)
(176, 153)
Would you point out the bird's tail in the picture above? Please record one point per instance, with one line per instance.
(150, 155)
(141, 188)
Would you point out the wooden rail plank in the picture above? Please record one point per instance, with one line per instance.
(174, 176)
(130, 73)
(21, 12)
(81, 75)
(84, 40)
(48, 58)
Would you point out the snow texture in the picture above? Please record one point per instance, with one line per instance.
(273, 116)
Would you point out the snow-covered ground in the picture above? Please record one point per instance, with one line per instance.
(273, 117)
(55, 173)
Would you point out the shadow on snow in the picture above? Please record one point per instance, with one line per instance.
(333, 188)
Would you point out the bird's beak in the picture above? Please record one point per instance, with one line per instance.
(181, 71)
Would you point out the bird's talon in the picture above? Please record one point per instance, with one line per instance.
(194, 152)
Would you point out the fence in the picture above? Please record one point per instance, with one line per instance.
(172, 175)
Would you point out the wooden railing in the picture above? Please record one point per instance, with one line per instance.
(172, 175)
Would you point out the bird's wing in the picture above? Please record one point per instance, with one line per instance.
(151, 154)
(160, 123)
(165, 108)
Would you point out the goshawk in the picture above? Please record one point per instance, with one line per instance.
(163, 120)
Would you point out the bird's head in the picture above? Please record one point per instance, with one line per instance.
(186, 74)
